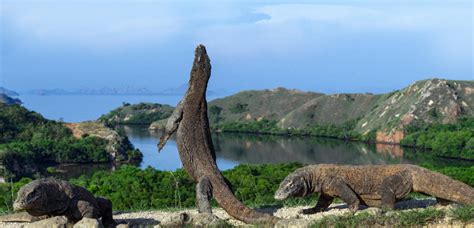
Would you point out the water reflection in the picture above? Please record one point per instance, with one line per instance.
(257, 149)
(233, 149)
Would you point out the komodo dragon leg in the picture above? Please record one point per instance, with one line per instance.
(339, 188)
(393, 188)
(204, 195)
(172, 125)
(86, 210)
(323, 203)
(105, 208)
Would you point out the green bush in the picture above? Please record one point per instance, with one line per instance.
(238, 108)
(131, 188)
(449, 140)
(265, 126)
(28, 140)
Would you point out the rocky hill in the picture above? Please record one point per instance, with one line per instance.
(429, 101)
(118, 145)
(385, 115)
(141, 113)
(272, 104)
(5, 99)
(29, 143)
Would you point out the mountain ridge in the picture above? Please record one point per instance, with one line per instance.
(383, 115)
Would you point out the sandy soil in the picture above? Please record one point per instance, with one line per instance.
(155, 218)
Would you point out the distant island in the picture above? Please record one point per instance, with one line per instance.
(8, 92)
(180, 90)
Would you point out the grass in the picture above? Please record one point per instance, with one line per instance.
(414, 217)
(464, 214)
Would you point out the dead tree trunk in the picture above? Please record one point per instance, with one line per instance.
(196, 150)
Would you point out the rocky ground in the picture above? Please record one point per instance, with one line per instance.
(290, 217)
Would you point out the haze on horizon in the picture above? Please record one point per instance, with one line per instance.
(324, 46)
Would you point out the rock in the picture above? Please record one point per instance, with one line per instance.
(53, 222)
(118, 144)
(19, 217)
(293, 223)
(392, 137)
(88, 223)
(201, 220)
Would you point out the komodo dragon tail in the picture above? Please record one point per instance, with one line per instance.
(441, 186)
(227, 200)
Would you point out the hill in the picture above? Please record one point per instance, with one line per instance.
(8, 92)
(403, 116)
(429, 101)
(5, 99)
(141, 113)
(257, 105)
(28, 142)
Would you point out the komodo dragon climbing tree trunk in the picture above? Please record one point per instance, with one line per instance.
(196, 150)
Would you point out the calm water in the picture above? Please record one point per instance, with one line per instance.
(231, 149)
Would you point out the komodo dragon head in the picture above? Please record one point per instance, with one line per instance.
(294, 185)
(41, 197)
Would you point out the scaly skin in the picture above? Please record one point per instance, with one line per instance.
(371, 185)
(196, 150)
(52, 197)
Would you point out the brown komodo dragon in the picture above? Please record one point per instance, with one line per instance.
(372, 185)
(196, 150)
(52, 197)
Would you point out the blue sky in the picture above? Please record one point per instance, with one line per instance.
(326, 46)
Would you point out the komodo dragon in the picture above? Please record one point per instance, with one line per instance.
(196, 150)
(52, 197)
(372, 185)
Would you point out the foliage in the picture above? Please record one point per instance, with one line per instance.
(141, 113)
(238, 108)
(214, 114)
(405, 218)
(450, 140)
(131, 188)
(463, 213)
(28, 140)
(343, 131)
(263, 126)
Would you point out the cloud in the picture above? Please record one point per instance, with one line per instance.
(98, 24)
(302, 28)
(235, 30)
(115, 24)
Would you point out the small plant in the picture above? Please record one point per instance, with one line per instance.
(238, 108)
(51, 170)
(420, 217)
(463, 213)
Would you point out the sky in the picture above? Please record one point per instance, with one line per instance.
(327, 46)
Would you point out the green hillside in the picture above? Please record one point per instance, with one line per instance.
(28, 141)
(5, 99)
(386, 118)
(257, 105)
(141, 113)
(428, 101)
